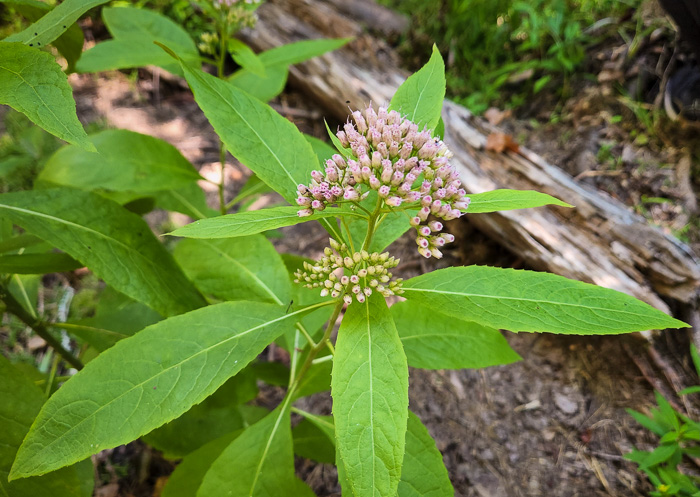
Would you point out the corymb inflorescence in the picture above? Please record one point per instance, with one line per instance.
(341, 272)
(409, 169)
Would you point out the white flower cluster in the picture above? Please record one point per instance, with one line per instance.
(402, 164)
(357, 274)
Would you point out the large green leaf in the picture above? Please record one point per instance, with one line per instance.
(54, 24)
(264, 88)
(420, 97)
(254, 133)
(20, 401)
(259, 463)
(188, 475)
(433, 340)
(116, 244)
(250, 222)
(219, 414)
(293, 53)
(134, 31)
(37, 263)
(147, 380)
(423, 474)
(32, 83)
(246, 268)
(506, 200)
(126, 161)
(370, 398)
(69, 44)
(531, 301)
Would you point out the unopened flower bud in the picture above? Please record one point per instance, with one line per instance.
(305, 212)
(435, 225)
(347, 299)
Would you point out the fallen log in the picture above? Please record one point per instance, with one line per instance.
(600, 241)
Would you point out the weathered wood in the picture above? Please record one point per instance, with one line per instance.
(600, 241)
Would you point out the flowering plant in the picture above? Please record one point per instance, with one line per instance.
(183, 377)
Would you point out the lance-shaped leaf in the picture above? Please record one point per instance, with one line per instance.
(246, 268)
(126, 162)
(116, 244)
(506, 200)
(433, 340)
(188, 475)
(258, 463)
(254, 133)
(423, 474)
(147, 380)
(531, 301)
(54, 24)
(370, 398)
(69, 44)
(250, 222)
(32, 83)
(314, 438)
(134, 31)
(420, 97)
(20, 401)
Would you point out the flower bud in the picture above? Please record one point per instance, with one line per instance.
(393, 201)
(415, 221)
(360, 297)
(305, 212)
(347, 299)
(435, 225)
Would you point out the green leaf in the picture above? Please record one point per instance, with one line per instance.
(245, 268)
(69, 44)
(315, 439)
(32, 83)
(162, 371)
(55, 23)
(689, 390)
(293, 53)
(134, 31)
(37, 263)
(659, 455)
(433, 340)
(217, 415)
(370, 398)
(322, 149)
(264, 141)
(20, 401)
(189, 200)
(506, 200)
(116, 244)
(263, 88)
(420, 97)
(126, 161)
(250, 222)
(647, 422)
(530, 301)
(258, 463)
(252, 188)
(19, 242)
(423, 473)
(345, 152)
(188, 475)
(244, 56)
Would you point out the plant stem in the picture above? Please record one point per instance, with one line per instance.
(223, 50)
(14, 307)
(313, 352)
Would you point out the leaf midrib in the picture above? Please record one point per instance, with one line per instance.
(523, 299)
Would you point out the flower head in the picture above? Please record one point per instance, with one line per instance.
(407, 167)
(357, 274)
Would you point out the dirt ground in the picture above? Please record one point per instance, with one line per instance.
(554, 424)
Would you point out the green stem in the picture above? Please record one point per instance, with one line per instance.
(14, 307)
(313, 352)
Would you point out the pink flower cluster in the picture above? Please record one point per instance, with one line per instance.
(405, 166)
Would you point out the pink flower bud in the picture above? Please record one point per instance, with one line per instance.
(424, 231)
(303, 201)
(350, 194)
(382, 149)
(384, 191)
(424, 213)
(411, 178)
(367, 291)
(302, 189)
(336, 191)
(376, 159)
(347, 299)
(366, 172)
(332, 174)
(374, 183)
(344, 280)
(422, 242)
(397, 178)
(435, 225)
(449, 237)
(324, 292)
(365, 161)
(360, 298)
(393, 201)
(317, 176)
(439, 241)
(425, 252)
(354, 279)
(436, 253)
(360, 121)
(452, 214)
(362, 273)
(386, 174)
(356, 289)
(305, 212)
(440, 193)
(342, 137)
(317, 205)
(406, 150)
(335, 294)
(415, 221)
(404, 188)
(394, 149)
(426, 201)
(462, 205)
(413, 196)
